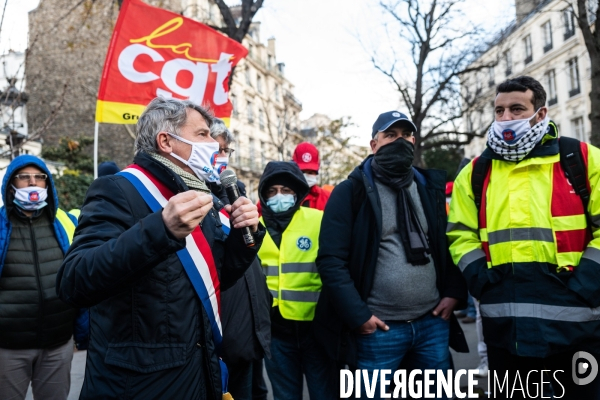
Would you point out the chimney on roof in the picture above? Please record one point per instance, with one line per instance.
(525, 7)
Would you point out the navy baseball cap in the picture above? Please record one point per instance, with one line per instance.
(389, 118)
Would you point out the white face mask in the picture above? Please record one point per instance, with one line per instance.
(30, 198)
(311, 179)
(221, 164)
(202, 160)
(511, 131)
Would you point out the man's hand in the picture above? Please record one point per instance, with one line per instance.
(445, 307)
(371, 326)
(243, 213)
(185, 211)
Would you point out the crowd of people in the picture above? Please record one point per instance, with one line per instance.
(178, 288)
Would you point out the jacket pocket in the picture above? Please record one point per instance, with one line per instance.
(146, 357)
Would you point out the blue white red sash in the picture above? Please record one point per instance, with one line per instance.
(196, 257)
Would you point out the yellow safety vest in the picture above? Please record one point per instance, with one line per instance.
(76, 212)
(66, 223)
(291, 270)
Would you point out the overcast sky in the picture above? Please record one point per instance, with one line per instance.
(320, 43)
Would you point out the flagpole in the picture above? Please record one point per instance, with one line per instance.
(96, 150)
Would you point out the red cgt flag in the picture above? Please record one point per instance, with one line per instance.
(154, 52)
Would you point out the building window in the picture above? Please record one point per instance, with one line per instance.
(234, 156)
(234, 105)
(577, 128)
(248, 80)
(491, 77)
(261, 120)
(269, 62)
(528, 49)
(592, 7)
(550, 78)
(251, 48)
(573, 71)
(249, 111)
(259, 84)
(508, 63)
(263, 158)
(547, 32)
(277, 92)
(478, 85)
(251, 152)
(569, 23)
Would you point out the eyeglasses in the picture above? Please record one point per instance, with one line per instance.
(27, 177)
(272, 191)
(226, 150)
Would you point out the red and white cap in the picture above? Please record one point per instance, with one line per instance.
(306, 156)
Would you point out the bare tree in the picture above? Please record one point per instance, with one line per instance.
(237, 31)
(587, 14)
(337, 155)
(280, 124)
(426, 65)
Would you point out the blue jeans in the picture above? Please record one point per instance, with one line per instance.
(471, 310)
(296, 355)
(420, 344)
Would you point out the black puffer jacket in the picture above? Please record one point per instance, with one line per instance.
(150, 336)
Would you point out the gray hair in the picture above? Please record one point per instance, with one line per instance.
(219, 129)
(164, 115)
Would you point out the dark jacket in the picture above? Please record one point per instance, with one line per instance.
(31, 252)
(245, 309)
(348, 250)
(150, 334)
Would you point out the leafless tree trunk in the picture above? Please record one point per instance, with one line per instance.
(427, 76)
(586, 11)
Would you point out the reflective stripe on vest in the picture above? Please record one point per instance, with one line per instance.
(291, 270)
(563, 238)
(66, 224)
(540, 311)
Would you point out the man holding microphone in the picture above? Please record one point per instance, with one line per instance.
(150, 257)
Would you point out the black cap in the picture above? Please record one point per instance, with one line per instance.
(389, 118)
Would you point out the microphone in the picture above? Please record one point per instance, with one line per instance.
(229, 181)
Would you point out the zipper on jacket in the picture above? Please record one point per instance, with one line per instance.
(36, 263)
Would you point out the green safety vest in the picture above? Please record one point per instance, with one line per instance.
(291, 270)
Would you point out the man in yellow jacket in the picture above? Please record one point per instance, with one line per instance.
(288, 255)
(529, 254)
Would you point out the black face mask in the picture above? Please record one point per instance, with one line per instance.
(396, 158)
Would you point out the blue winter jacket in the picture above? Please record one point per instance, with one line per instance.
(81, 325)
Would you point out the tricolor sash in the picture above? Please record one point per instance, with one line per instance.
(196, 257)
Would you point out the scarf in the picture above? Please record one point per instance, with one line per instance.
(192, 181)
(392, 166)
(518, 150)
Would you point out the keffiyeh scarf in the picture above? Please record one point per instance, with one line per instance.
(518, 150)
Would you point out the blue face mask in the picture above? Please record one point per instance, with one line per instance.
(281, 202)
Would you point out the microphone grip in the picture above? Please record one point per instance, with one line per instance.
(233, 194)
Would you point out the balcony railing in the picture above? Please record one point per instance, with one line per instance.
(574, 92)
(508, 71)
(249, 164)
(569, 33)
(547, 47)
(491, 83)
(552, 101)
(528, 59)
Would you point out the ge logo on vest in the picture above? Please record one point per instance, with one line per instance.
(304, 243)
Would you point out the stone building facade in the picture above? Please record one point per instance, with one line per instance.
(545, 43)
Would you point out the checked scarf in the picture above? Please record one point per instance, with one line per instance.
(518, 150)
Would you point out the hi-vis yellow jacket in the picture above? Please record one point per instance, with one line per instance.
(530, 256)
(291, 270)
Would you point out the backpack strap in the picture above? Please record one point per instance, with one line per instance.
(571, 161)
(481, 166)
